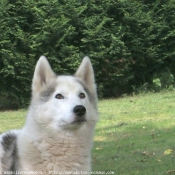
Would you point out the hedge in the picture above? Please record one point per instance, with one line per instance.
(130, 42)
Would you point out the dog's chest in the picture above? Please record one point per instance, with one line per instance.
(60, 155)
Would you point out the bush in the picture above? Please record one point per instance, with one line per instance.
(128, 42)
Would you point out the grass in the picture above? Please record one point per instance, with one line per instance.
(131, 136)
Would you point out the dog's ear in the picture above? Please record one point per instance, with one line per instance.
(86, 72)
(43, 74)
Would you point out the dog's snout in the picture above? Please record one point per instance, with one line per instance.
(79, 110)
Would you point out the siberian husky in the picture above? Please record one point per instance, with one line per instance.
(58, 133)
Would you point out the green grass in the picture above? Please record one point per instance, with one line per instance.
(11, 119)
(131, 136)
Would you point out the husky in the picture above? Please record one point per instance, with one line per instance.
(57, 137)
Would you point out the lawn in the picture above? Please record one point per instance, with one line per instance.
(135, 135)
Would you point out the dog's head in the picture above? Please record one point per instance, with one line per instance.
(64, 102)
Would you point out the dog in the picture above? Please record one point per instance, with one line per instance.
(57, 137)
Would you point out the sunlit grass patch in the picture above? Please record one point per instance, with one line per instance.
(11, 120)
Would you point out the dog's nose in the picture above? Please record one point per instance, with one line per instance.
(79, 110)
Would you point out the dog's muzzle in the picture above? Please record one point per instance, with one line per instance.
(80, 112)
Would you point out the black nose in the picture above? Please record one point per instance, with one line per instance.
(79, 110)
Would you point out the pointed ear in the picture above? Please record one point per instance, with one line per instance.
(43, 74)
(86, 72)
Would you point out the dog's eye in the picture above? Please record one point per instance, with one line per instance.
(59, 96)
(82, 95)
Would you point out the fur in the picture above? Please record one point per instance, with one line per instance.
(58, 132)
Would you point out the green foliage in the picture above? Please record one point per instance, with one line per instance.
(128, 41)
(30, 29)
